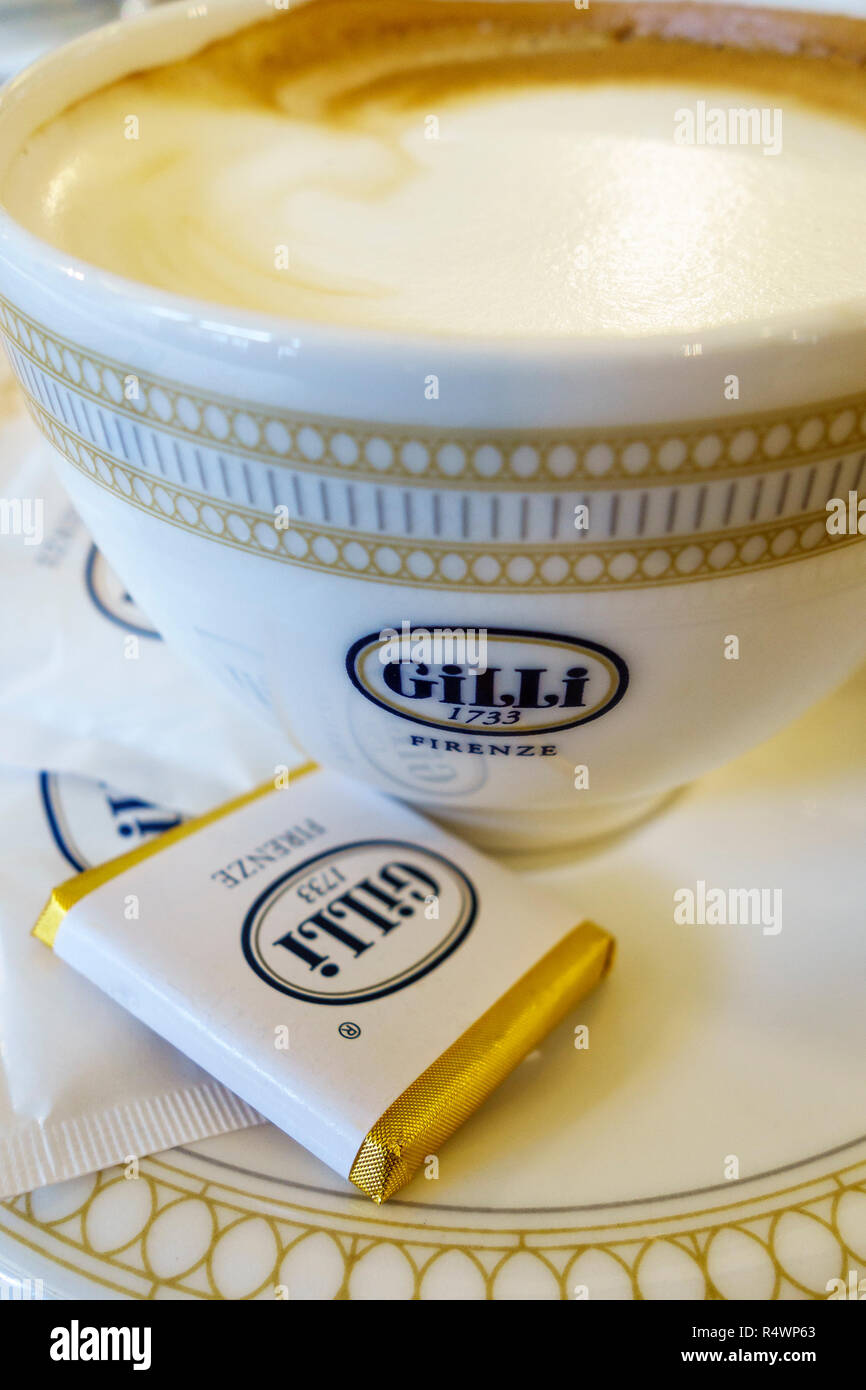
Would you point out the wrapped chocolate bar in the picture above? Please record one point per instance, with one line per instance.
(360, 977)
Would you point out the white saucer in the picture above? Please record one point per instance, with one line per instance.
(598, 1172)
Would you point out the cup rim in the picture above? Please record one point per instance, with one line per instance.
(211, 319)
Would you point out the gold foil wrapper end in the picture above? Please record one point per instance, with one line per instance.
(437, 1103)
(52, 914)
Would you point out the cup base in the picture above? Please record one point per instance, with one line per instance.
(533, 832)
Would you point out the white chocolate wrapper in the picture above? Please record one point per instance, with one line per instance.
(360, 977)
(82, 1085)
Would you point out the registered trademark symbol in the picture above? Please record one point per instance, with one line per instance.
(349, 1030)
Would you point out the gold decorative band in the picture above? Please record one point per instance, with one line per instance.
(731, 445)
(454, 565)
(437, 1103)
(67, 894)
(753, 1223)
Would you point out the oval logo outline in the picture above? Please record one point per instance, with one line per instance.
(429, 961)
(615, 665)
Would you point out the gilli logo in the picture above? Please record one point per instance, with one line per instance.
(527, 683)
(358, 922)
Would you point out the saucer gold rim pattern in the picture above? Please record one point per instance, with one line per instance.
(688, 451)
(453, 565)
(732, 1250)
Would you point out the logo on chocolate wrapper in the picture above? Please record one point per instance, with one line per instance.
(531, 682)
(359, 921)
(91, 821)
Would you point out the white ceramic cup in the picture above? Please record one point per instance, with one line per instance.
(435, 482)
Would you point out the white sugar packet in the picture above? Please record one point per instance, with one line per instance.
(83, 1085)
(87, 687)
(86, 684)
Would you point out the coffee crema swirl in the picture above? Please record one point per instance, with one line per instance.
(494, 168)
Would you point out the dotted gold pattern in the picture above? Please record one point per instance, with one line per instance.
(731, 445)
(180, 1234)
(449, 565)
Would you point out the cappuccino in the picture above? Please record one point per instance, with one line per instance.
(496, 168)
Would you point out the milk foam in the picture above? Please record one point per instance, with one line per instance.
(446, 177)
